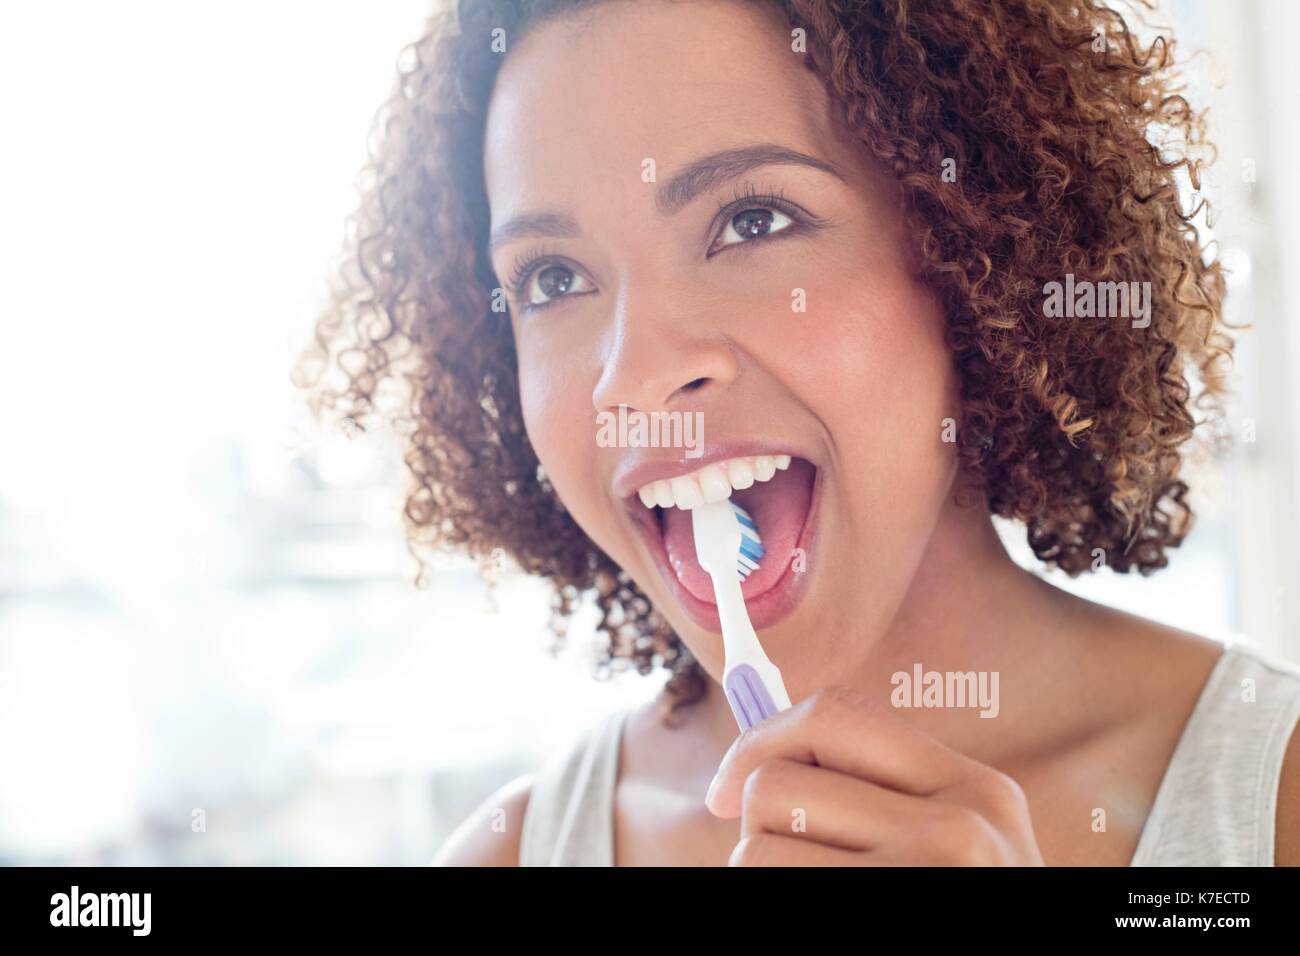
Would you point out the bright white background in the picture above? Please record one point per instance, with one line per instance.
(205, 600)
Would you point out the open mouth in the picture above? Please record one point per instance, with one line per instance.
(780, 493)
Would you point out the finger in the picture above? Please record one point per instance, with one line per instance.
(786, 797)
(842, 730)
(770, 849)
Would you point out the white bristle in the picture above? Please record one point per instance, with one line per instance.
(726, 537)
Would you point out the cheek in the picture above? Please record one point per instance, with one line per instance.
(870, 360)
(556, 402)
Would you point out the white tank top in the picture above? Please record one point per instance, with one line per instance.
(1216, 805)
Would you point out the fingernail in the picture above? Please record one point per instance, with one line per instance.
(713, 785)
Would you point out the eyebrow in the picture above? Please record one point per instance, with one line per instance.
(678, 192)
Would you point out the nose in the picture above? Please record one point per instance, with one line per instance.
(661, 353)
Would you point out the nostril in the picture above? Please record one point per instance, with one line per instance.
(694, 386)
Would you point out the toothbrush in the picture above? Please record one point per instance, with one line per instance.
(728, 548)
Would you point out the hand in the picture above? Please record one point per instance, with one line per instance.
(839, 780)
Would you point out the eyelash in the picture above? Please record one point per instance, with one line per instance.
(747, 197)
(744, 198)
(524, 267)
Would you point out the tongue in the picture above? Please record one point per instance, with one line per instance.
(778, 507)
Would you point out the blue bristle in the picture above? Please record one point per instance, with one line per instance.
(751, 545)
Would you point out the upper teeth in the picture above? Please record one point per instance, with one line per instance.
(712, 482)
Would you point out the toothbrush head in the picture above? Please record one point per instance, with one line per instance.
(751, 545)
(726, 537)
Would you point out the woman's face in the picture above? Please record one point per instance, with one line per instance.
(786, 326)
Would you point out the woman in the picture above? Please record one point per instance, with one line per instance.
(926, 251)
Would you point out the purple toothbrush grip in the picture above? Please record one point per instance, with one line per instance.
(748, 696)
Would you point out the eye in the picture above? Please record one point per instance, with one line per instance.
(537, 282)
(552, 282)
(751, 224)
(753, 214)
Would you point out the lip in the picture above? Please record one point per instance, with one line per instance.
(765, 609)
(634, 472)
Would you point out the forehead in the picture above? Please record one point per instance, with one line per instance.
(583, 101)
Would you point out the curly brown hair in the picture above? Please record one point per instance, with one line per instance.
(1050, 111)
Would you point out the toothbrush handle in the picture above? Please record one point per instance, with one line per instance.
(751, 681)
(754, 696)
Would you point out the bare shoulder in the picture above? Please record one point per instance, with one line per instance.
(1287, 847)
(1190, 659)
(1152, 669)
(1286, 835)
(1141, 681)
(490, 835)
(1179, 663)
